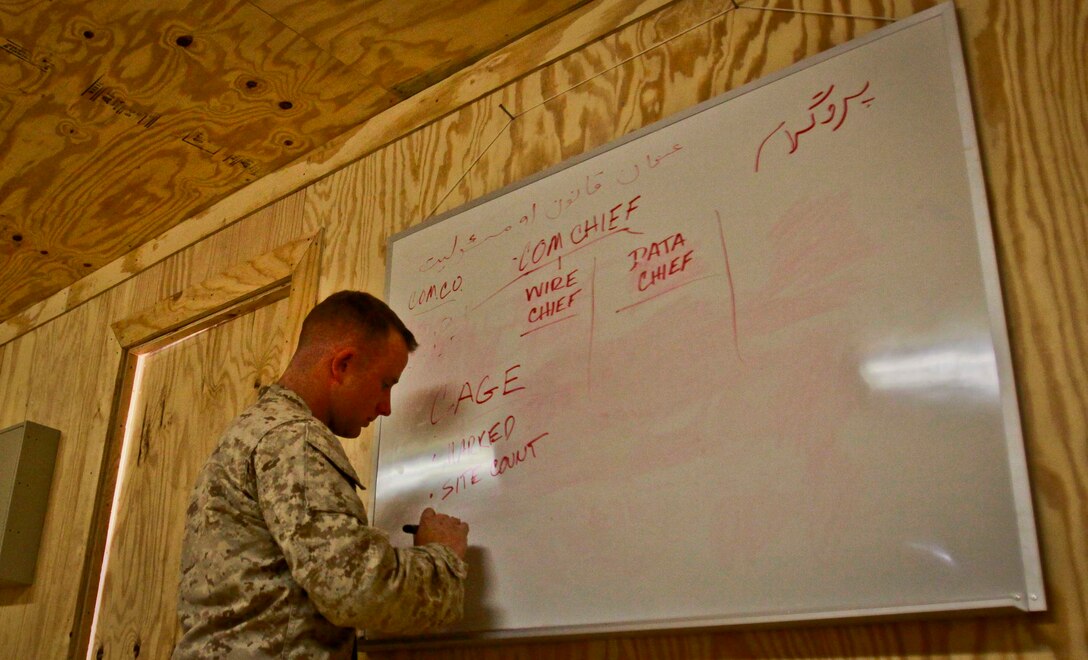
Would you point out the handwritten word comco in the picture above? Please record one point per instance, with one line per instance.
(433, 292)
(478, 395)
(565, 285)
(597, 225)
(642, 256)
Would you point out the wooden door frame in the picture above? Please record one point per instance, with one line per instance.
(290, 271)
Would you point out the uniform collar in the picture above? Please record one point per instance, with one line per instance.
(327, 443)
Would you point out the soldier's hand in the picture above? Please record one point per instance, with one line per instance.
(440, 528)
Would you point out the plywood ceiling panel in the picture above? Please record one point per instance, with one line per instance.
(410, 44)
(119, 119)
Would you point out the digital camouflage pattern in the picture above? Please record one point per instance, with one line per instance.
(278, 559)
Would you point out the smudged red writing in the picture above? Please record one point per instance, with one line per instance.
(472, 475)
(455, 450)
(500, 431)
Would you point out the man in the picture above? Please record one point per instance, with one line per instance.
(278, 558)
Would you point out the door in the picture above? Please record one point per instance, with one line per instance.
(183, 388)
(184, 395)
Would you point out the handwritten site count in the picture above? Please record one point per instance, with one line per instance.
(825, 110)
(499, 433)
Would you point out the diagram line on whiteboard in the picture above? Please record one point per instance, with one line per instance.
(592, 323)
(732, 288)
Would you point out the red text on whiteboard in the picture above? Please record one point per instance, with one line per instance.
(826, 109)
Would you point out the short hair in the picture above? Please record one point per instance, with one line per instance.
(344, 311)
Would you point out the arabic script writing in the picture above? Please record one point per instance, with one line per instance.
(824, 110)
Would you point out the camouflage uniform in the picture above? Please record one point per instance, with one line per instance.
(278, 560)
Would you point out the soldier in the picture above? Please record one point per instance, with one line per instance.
(278, 558)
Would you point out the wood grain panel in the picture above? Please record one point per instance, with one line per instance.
(212, 295)
(112, 143)
(1030, 105)
(74, 365)
(408, 45)
(257, 234)
(188, 392)
(305, 281)
(16, 370)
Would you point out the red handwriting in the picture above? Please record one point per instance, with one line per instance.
(440, 262)
(547, 309)
(556, 283)
(551, 308)
(457, 251)
(563, 203)
(515, 458)
(553, 209)
(654, 161)
(651, 161)
(435, 292)
(461, 482)
(652, 275)
(478, 395)
(580, 236)
(605, 222)
(823, 111)
(455, 450)
(592, 190)
(472, 476)
(593, 184)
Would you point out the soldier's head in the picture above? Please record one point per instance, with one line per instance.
(351, 352)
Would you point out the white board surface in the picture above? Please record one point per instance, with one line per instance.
(746, 365)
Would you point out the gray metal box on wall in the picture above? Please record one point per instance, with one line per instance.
(27, 454)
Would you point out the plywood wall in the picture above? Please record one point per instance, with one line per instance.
(1028, 78)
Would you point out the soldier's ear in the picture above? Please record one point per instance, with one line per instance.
(340, 362)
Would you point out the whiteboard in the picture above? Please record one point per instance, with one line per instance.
(746, 365)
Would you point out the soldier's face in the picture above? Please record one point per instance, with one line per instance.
(362, 395)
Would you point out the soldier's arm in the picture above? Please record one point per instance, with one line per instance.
(351, 572)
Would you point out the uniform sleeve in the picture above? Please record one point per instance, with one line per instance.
(350, 571)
